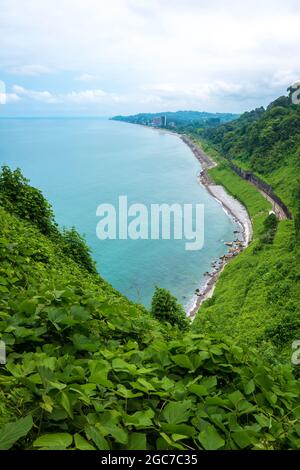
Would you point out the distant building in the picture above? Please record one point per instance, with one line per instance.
(156, 121)
(159, 121)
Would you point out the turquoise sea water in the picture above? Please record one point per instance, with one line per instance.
(81, 163)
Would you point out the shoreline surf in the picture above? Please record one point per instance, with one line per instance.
(234, 209)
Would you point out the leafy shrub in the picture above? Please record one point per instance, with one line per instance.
(283, 332)
(28, 203)
(17, 196)
(165, 308)
(74, 245)
(262, 138)
(269, 229)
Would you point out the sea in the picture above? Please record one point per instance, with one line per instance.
(81, 163)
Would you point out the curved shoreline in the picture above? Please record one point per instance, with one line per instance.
(234, 209)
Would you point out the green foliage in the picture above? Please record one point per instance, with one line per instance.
(17, 196)
(266, 142)
(74, 245)
(263, 138)
(285, 331)
(10, 433)
(259, 289)
(297, 213)
(28, 203)
(94, 371)
(270, 227)
(166, 308)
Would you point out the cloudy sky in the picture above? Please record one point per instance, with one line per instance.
(105, 57)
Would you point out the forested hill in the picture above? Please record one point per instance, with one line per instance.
(179, 120)
(257, 297)
(266, 141)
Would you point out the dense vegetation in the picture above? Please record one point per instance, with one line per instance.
(87, 369)
(166, 308)
(19, 198)
(187, 121)
(266, 141)
(257, 298)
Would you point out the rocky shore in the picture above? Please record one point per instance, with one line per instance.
(235, 209)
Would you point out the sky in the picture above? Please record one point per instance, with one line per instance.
(107, 57)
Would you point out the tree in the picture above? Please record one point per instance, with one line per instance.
(28, 203)
(74, 245)
(166, 308)
(270, 227)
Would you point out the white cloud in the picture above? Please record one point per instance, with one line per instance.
(12, 98)
(219, 51)
(33, 70)
(92, 96)
(86, 77)
(86, 96)
(43, 96)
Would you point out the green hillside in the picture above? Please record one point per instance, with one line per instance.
(266, 141)
(87, 369)
(257, 299)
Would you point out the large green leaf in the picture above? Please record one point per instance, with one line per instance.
(82, 444)
(242, 438)
(140, 419)
(137, 441)
(65, 401)
(97, 437)
(119, 364)
(54, 441)
(210, 439)
(10, 433)
(177, 412)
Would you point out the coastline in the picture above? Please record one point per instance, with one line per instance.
(234, 209)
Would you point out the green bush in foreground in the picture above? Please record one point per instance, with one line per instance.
(166, 308)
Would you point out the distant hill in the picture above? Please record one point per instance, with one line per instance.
(179, 119)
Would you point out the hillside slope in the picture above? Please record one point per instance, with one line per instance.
(266, 141)
(257, 298)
